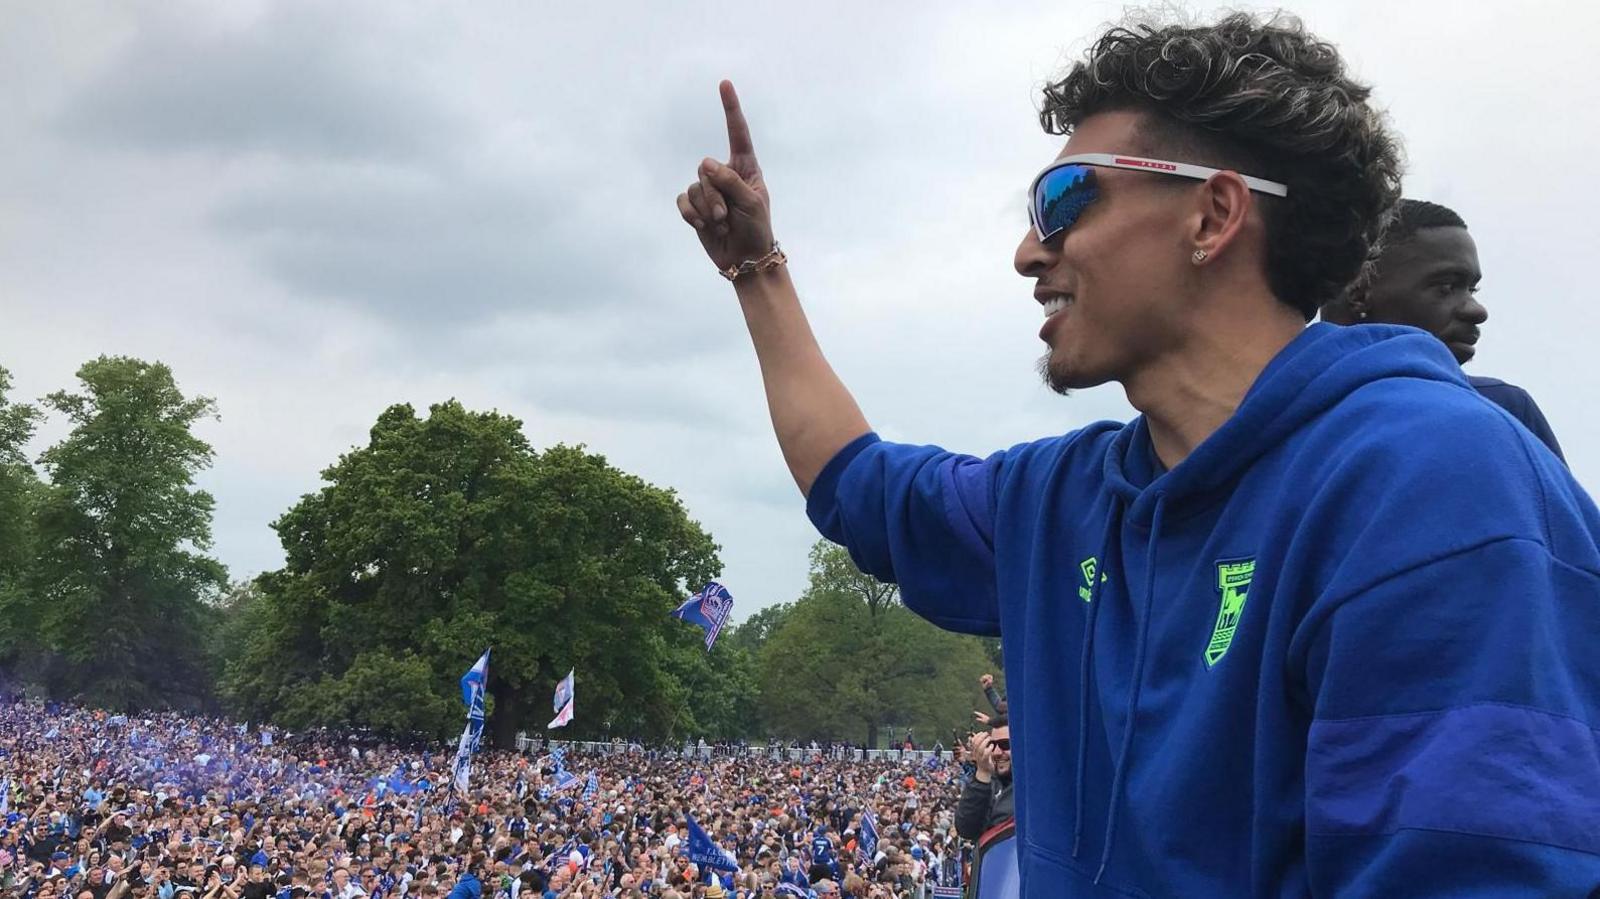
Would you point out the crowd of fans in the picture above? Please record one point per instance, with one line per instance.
(165, 806)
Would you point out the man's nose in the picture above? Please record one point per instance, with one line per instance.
(1033, 257)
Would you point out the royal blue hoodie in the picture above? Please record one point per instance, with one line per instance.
(1347, 647)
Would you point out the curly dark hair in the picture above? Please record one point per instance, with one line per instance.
(1262, 97)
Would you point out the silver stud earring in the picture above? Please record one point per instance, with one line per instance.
(1200, 256)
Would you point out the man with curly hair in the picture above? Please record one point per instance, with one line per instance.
(1426, 276)
(1263, 639)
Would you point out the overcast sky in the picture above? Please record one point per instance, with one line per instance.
(313, 210)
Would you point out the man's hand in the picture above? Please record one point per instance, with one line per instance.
(980, 717)
(982, 757)
(986, 681)
(728, 203)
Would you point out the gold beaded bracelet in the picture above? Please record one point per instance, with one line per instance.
(773, 259)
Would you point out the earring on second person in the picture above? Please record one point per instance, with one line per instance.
(1200, 256)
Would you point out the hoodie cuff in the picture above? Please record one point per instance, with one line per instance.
(822, 500)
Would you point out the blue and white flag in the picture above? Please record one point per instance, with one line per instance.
(867, 846)
(563, 717)
(566, 780)
(703, 851)
(559, 756)
(563, 692)
(461, 768)
(473, 684)
(591, 788)
(709, 608)
(5, 797)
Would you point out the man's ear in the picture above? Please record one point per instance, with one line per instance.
(1350, 308)
(1220, 216)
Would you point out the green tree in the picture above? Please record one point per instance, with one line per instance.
(847, 660)
(121, 534)
(753, 633)
(19, 493)
(448, 534)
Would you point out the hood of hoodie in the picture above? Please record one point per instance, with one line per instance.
(1320, 367)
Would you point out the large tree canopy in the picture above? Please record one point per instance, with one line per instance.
(120, 576)
(448, 534)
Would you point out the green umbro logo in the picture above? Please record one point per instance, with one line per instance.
(1233, 582)
(1089, 567)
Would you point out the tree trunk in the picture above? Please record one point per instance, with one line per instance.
(872, 735)
(507, 717)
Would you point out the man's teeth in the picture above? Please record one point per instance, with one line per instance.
(1056, 304)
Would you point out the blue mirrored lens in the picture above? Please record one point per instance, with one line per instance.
(1061, 196)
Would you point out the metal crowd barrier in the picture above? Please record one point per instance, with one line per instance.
(533, 745)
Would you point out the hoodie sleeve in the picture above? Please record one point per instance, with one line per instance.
(918, 517)
(1453, 750)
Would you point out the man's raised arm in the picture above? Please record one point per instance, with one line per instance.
(813, 413)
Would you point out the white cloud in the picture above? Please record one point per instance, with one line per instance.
(311, 211)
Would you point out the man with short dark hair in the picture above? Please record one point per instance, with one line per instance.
(1427, 277)
(1259, 641)
(257, 886)
(987, 799)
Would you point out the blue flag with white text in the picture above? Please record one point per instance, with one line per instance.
(709, 609)
(703, 851)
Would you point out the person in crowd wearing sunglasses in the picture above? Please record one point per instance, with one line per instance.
(1260, 640)
(987, 799)
(1427, 277)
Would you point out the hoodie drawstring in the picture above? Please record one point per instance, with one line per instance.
(1119, 773)
(1085, 658)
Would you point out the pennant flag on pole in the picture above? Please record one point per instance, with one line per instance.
(709, 609)
(704, 852)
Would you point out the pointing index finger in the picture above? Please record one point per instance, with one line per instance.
(739, 143)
